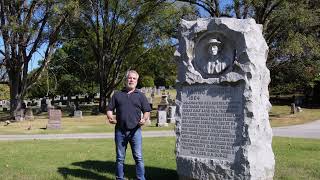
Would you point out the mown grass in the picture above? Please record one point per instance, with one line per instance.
(280, 116)
(94, 159)
(88, 124)
(297, 158)
(81, 159)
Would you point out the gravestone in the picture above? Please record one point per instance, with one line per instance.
(293, 108)
(77, 114)
(171, 114)
(158, 92)
(29, 114)
(38, 103)
(44, 105)
(162, 111)
(19, 115)
(162, 115)
(222, 122)
(54, 121)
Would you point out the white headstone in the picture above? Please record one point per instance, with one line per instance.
(162, 116)
(77, 114)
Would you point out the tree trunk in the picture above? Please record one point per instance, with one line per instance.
(16, 96)
(103, 97)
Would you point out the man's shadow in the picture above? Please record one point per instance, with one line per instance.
(93, 169)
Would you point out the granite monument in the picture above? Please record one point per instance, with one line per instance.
(222, 124)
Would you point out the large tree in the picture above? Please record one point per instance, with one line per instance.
(27, 28)
(121, 34)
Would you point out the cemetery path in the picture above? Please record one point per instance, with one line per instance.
(307, 130)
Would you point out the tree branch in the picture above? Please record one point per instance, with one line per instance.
(39, 36)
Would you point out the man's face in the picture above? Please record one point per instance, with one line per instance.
(132, 81)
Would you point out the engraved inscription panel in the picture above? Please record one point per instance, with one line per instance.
(211, 115)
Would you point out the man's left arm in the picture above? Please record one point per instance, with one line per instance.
(145, 109)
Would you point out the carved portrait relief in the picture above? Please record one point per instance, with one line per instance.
(213, 55)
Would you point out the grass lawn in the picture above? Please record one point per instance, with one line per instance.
(81, 159)
(94, 159)
(89, 124)
(280, 116)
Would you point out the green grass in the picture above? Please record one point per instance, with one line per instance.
(89, 124)
(280, 116)
(81, 159)
(94, 159)
(297, 158)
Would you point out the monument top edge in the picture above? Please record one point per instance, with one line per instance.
(221, 19)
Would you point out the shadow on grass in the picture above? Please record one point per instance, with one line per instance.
(92, 169)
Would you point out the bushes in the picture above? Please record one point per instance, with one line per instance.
(147, 81)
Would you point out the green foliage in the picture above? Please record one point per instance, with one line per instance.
(69, 85)
(289, 77)
(45, 86)
(161, 65)
(29, 28)
(147, 81)
(4, 91)
(170, 81)
(73, 67)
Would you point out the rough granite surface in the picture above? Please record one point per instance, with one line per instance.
(245, 45)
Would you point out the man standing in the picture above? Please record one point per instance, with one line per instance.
(129, 103)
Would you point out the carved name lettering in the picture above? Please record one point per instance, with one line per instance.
(209, 119)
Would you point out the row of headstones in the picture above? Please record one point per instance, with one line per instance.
(27, 114)
(154, 90)
(45, 103)
(165, 115)
(42, 101)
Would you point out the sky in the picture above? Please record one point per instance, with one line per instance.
(37, 56)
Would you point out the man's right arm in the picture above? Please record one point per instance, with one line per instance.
(110, 117)
(110, 108)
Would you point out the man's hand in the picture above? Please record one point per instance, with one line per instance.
(142, 121)
(112, 121)
(110, 118)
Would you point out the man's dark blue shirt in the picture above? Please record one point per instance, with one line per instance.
(128, 108)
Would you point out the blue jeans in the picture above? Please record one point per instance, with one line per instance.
(122, 138)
